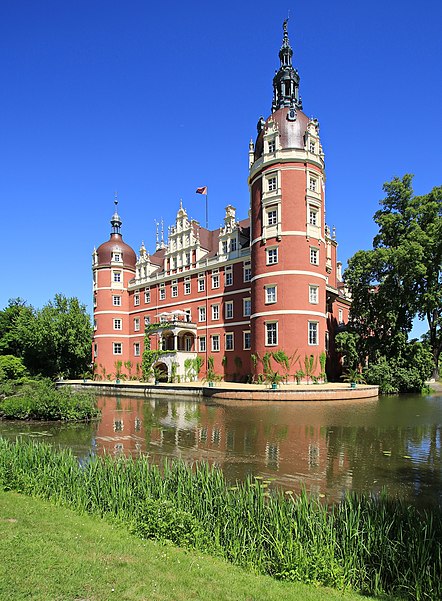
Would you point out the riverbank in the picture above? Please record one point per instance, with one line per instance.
(62, 555)
(234, 391)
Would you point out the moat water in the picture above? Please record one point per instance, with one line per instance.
(327, 448)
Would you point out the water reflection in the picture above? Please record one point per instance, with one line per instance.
(328, 448)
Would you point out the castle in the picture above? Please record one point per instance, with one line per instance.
(232, 295)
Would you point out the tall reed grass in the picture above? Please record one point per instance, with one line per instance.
(373, 545)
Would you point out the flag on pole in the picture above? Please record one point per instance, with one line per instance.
(202, 190)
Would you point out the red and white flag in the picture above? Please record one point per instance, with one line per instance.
(202, 190)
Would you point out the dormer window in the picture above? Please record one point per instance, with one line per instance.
(271, 146)
(312, 146)
(117, 257)
(233, 244)
(224, 247)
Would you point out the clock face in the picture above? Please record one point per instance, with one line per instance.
(291, 115)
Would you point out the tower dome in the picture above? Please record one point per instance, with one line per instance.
(115, 246)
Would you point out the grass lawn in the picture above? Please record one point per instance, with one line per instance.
(50, 553)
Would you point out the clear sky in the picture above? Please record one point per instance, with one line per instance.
(155, 99)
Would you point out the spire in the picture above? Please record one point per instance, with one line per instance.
(286, 80)
(116, 220)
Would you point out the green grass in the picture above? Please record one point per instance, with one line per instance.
(53, 554)
(373, 545)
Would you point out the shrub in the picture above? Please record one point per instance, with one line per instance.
(12, 368)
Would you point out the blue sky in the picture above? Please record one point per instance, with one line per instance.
(155, 100)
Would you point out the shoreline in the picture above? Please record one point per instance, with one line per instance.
(232, 391)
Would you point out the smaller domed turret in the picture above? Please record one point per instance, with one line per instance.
(116, 244)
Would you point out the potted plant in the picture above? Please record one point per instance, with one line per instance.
(274, 378)
(353, 376)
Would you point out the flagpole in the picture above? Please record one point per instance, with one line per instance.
(207, 210)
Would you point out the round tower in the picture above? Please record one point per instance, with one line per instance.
(113, 265)
(288, 250)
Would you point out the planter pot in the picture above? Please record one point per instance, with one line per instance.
(211, 384)
(117, 381)
(353, 385)
(274, 386)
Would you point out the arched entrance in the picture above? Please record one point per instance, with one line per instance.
(161, 372)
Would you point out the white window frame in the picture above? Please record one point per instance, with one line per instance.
(340, 316)
(246, 302)
(313, 183)
(272, 217)
(174, 289)
(313, 215)
(116, 301)
(201, 283)
(313, 333)
(136, 300)
(147, 296)
(271, 145)
(116, 277)
(136, 349)
(229, 336)
(118, 323)
(187, 286)
(272, 255)
(117, 348)
(215, 279)
(215, 312)
(136, 324)
(202, 344)
(247, 271)
(162, 292)
(314, 255)
(271, 294)
(228, 276)
(214, 343)
(273, 333)
(201, 313)
(312, 146)
(228, 310)
(233, 245)
(272, 183)
(246, 334)
(313, 294)
(147, 321)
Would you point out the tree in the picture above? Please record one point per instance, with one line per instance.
(10, 343)
(401, 277)
(56, 340)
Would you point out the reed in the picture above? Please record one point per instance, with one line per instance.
(373, 545)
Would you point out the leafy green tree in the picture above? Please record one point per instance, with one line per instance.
(56, 340)
(10, 343)
(401, 277)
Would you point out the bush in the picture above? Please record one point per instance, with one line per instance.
(12, 368)
(41, 400)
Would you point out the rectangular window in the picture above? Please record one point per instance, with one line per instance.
(314, 256)
(202, 344)
(201, 313)
(187, 259)
(118, 348)
(174, 263)
(147, 296)
(247, 271)
(117, 324)
(215, 342)
(247, 307)
(313, 217)
(116, 301)
(229, 341)
(313, 333)
(174, 288)
(147, 321)
(95, 350)
(233, 244)
(136, 324)
(271, 333)
(95, 324)
(272, 256)
(117, 276)
(187, 285)
(188, 313)
(272, 217)
(215, 279)
(341, 316)
(272, 183)
(312, 146)
(201, 284)
(247, 341)
(312, 184)
(162, 292)
(224, 247)
(313, 294)
(271, 145)
(136, 349)
(215, 312)
(136, 300)
(270, 294)
(228, 308)
(228, 276)
(117, 257)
